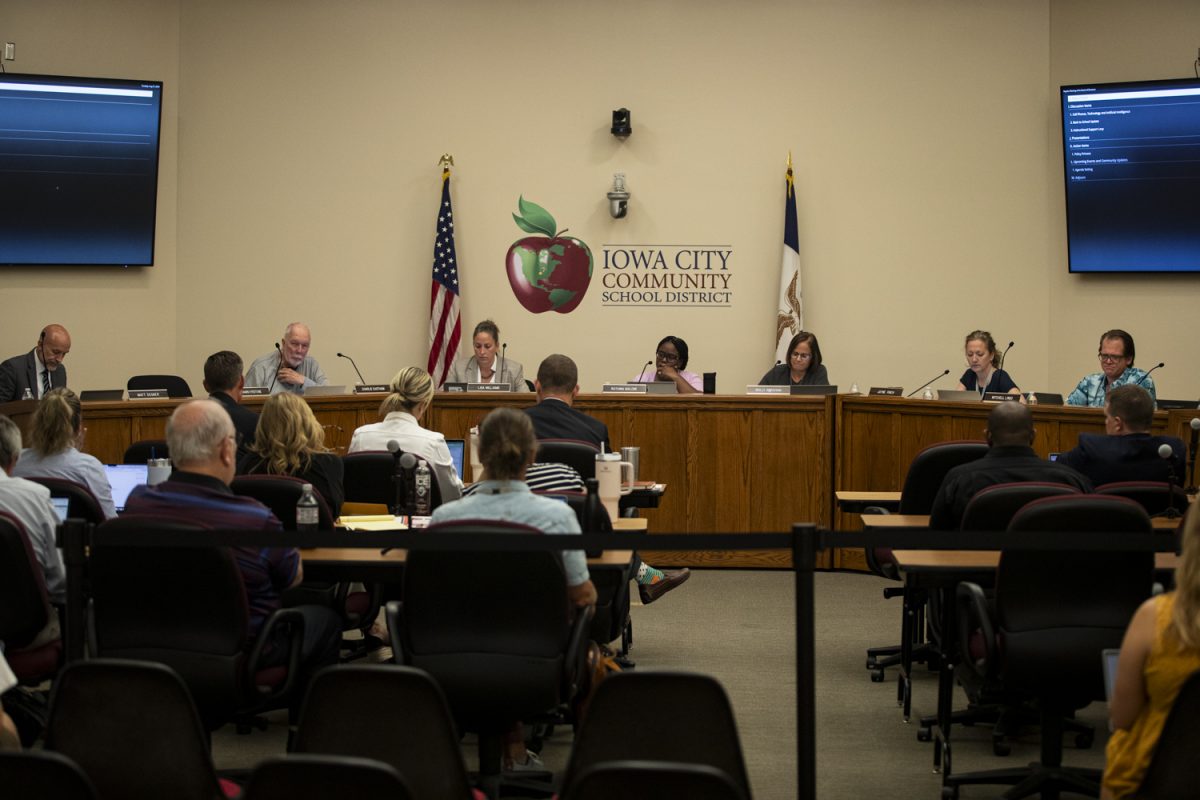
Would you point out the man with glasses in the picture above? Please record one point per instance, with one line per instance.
(39, 370)
(1116, 369)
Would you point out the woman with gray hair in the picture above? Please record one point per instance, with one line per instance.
(410, 397)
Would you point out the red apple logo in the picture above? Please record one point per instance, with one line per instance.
(548, 271)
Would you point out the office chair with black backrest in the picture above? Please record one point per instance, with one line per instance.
(175, 385)
(99, 718)
(143, 450)
(368, 478)
(1159, 498)
(653, 780)
(692, 723)
(492, 629)
(82, 504)
(992, 508)
(186, 607)
(280, 493)
(1054, 612)
(1172, 770)
(54, 775)
(389, 713)
(24, 612)
(297, 777)
(921, 484)
(572, 452)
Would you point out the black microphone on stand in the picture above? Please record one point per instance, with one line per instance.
(361, 379)
(1159, 365)
(278, 366)
(503, 354)
(941, 374)
(642, 371)
(1167, 453)
(1005, 354)
(403, 464)
(1195, 425)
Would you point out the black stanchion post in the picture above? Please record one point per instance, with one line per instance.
(804, 561)
(73, 539)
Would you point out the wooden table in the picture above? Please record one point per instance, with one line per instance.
(854, 502)
(878, 522)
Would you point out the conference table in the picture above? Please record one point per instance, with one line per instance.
(734, 463)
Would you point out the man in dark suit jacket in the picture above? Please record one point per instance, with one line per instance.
(29, 371)
(223, 380)
(553, 417)
(1128, 451)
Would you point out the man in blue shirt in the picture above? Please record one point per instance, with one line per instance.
(1116, 369)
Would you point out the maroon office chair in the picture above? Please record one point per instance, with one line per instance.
(280, 493)
(1159, 498)
(992, 508)
(82, 504)
(368, 479)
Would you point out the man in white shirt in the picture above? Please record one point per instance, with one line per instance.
(30, 503)
(39, 370)
(290, 368)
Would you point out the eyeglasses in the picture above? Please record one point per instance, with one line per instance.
(666, 358)
(1109, 358)
(802, 356)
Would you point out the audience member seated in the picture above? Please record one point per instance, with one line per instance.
(290, 441)
(1127, 451)
(1160, 652)
(983, 367)
(203, 447)
(9, 738)
(803, 367)
(30, 503)
(554, 417)
(57, 435)
(224, 383)
(1116, 369)
(507, 448)
(670, 360)
(411, 396)
(39, 370)
(290, 368)
(487, 365)
(1010, 459)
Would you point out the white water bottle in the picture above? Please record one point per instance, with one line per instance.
(308, 518)
(928, 394)
(1032, 399)
(422, 503)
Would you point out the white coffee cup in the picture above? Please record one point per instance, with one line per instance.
(610, 470)
(473, 453)
(157, 470)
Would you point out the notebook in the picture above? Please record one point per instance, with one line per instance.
(122, 478)
(456, 453)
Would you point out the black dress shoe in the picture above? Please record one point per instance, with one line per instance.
(671, 579)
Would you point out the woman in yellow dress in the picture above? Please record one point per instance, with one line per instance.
(1160, 651)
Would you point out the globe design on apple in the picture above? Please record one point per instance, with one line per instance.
(547, 271)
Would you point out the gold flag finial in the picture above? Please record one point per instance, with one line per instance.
(446, 161)
(789, 159)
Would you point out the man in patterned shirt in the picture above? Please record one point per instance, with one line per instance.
(1116, 369)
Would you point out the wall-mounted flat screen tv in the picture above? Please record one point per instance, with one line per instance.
(78, 170)
(1132, 157)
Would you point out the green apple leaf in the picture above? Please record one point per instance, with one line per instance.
(534, 218)
(560, 297)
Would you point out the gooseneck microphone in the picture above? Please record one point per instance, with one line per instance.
(1195, 426)
(278, 367)
(1159, 365)
(1005, 354)
(361, 379)
(642, 371)
(1166, 453)
(503, 354)
(941, 374)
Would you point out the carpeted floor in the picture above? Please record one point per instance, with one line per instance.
(738, 627)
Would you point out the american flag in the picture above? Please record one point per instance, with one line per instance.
(789, 319)
(444, 326)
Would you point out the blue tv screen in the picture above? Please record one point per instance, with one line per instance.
(78, 170)
(1131, 153)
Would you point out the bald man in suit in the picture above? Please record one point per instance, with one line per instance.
(39, 370)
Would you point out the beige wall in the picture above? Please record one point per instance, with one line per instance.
(924, 136)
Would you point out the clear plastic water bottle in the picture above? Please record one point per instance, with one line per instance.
(422, 500)
(1032, 399)
(927, 394)
(308, 518)
(854, 388)
(27, 394)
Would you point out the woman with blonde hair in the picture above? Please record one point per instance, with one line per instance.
(56, 438)
(410, 397)
(1160, 652)
(290, 441)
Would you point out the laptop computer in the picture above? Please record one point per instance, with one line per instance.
(123, 478)
(93, 395)
(325, 391)
(1048, 398)
(1109, 658)
(959, 396)
(1167, 405)
(457, 448)
(61, 506)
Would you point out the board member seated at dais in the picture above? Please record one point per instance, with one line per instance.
(39, 370)
(670, 360)
(488, 364)
(1116, 369)
(804, 366)
(983, 367)
(290, 368)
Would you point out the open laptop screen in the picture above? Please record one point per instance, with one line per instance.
(456, 454)
(122, 478)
